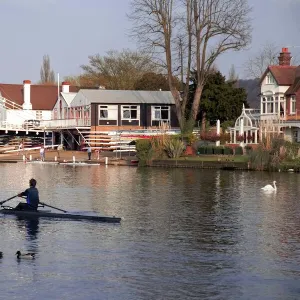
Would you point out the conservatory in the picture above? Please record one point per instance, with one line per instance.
(246, 127)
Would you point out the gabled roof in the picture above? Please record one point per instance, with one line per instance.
(42, 97)
(85, 97)
(68, 97)
(284, 75)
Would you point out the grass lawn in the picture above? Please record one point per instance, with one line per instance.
(221, 158)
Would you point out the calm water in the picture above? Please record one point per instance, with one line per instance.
(185, 234)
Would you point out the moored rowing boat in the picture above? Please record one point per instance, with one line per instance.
(47, 214)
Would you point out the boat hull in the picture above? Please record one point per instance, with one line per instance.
(44, 214)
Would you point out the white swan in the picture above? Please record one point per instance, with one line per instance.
(270, 187)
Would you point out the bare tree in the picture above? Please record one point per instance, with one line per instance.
(120, 70)
(190, 34)
(256, 65)
(86, 81)
(46, 74)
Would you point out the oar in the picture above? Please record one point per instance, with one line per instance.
(2, 202)
(53, 207)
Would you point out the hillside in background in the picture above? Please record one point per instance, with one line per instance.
(252, 88)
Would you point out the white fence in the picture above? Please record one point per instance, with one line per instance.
(67, 123)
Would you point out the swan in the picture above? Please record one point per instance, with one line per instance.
(270, 187)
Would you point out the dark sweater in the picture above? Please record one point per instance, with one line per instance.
(32, 197)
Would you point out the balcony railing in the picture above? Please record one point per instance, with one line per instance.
(66, 123)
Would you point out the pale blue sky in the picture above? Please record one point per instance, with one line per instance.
(71, 30)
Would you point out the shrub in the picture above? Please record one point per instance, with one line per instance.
(209, 150)
(219, 150)
(202, 150)
(240, 138)
(174, 147)
(224, 137)
(143, 151)
(228, 151)
(239, 150)
(190, 139)
(248, 149)
(260, 159)
(209, 136)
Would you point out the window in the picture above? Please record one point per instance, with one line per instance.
(130, 112)
(268, 105)
(108, 115)
(293, 105)
(270, 79)
(282, 106)
(103, 112)
(108, 112)
(160, 114)
(39, 115)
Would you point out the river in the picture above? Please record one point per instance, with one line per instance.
(185, 234)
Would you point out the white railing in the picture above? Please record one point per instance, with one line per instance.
(10, 126)
(10, 104)
(66, 123)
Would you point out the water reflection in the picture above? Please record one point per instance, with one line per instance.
(185, 234)
(29, 227)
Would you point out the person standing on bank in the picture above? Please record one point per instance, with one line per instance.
(89, 151)
(42, 153)
(32, 197)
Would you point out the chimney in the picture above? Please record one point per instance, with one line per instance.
(284, 57)
(26, 94)
(66, 87)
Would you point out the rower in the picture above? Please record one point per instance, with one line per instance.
(32, 197)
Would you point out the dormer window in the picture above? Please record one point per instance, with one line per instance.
(270, 79)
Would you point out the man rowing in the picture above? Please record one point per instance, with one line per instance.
(32, 197)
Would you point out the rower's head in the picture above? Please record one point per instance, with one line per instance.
(32, 182)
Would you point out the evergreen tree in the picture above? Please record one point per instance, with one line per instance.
(220, 99)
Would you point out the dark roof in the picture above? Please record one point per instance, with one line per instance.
(284, 75)
(42, 97)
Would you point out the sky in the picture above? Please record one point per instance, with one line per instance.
(71, 30)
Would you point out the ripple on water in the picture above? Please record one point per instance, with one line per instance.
(185, 234)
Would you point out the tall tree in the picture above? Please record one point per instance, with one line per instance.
(186, 34)
(220, 99)
(121, 70)
(46, 74)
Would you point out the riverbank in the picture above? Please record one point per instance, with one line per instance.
(201, 164)
(66, 156)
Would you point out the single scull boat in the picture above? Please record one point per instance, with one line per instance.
(47, 214)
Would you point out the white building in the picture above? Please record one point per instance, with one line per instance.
(20, 103)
